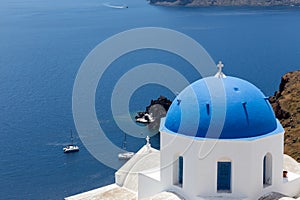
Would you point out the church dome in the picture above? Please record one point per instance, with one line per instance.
(231, 108)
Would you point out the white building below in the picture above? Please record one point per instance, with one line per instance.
(219, 140)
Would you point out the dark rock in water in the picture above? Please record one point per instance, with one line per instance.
(163, 101)
(157, 109)
(286, 106)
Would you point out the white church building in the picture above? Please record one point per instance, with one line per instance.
(220, 139)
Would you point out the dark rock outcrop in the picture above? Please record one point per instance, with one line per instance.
(162, 101)
(194, 3)
(158, 108)
(286, 105)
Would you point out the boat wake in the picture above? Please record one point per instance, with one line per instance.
(115, 6)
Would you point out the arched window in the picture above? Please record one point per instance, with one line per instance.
(224, 176)
(267, 170)
(178, 171)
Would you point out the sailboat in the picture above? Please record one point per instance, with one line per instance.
(126, 154)
(71, 147)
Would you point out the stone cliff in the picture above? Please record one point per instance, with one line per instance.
(286, 105)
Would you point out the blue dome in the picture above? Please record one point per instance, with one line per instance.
(224, 108)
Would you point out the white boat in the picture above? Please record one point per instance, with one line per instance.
(115, 6)
(126, 154)
(71, 147)
(147, 118)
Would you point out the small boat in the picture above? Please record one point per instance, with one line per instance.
(146, 118)
(115, 6)
(126, 154)
(71, 147)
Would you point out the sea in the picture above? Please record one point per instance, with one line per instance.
(43, 44)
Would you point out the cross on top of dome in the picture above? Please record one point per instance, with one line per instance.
(220, 74)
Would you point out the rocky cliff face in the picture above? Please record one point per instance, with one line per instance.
(286, 105)
(193, 3)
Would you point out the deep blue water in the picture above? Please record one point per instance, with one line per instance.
(43, 43)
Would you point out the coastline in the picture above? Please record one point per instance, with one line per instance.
(219, 3)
